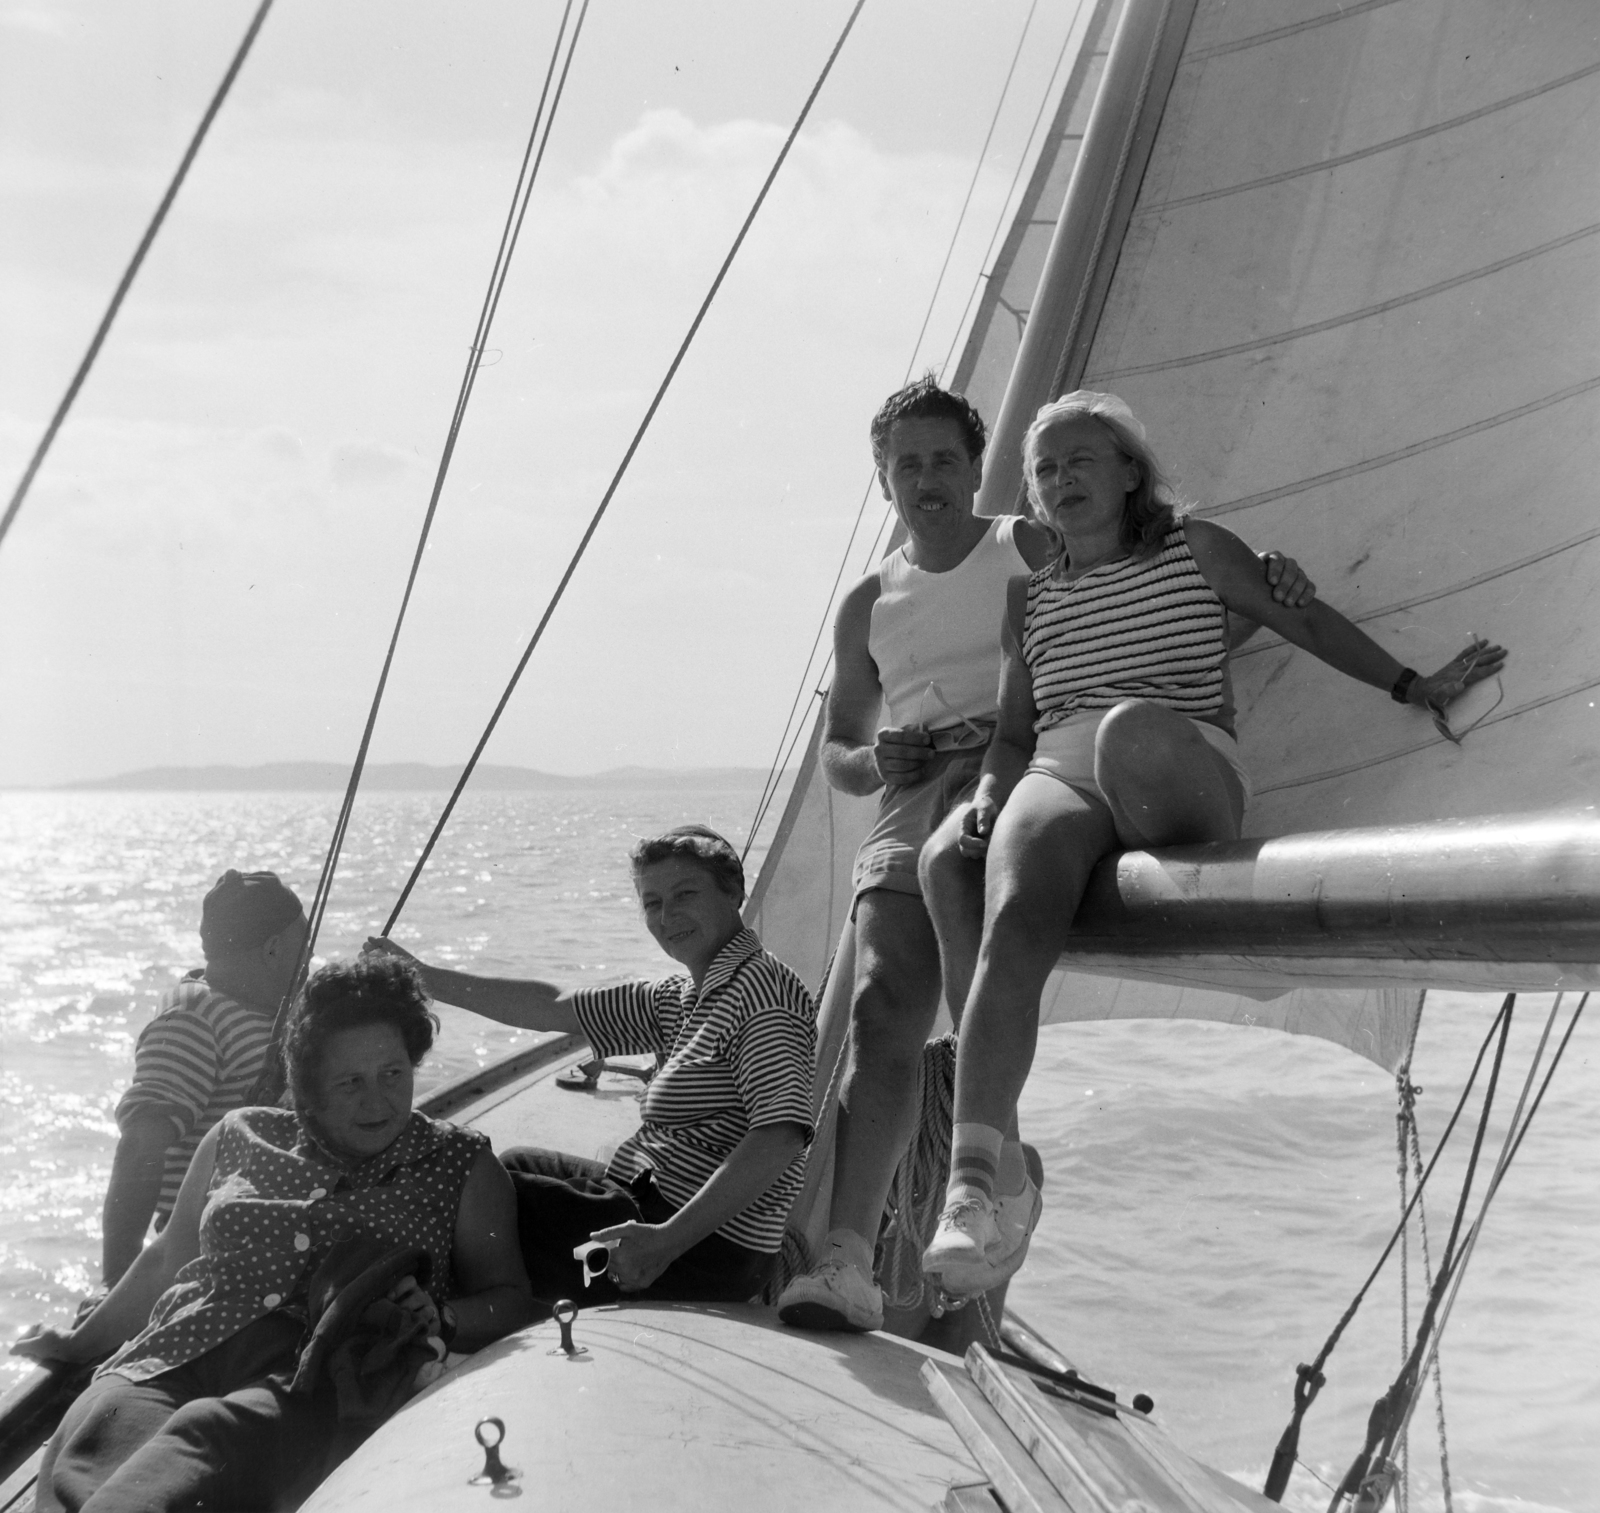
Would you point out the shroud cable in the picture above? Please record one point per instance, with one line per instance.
(131, 271)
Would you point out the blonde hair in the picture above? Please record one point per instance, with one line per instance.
(1152, 506)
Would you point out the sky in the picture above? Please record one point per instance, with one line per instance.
(209, 565)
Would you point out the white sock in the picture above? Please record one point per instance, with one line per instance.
(853, 1248)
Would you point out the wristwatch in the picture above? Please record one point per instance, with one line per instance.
(447, 1324)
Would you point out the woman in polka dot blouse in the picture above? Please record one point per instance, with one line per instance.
(193, 1409)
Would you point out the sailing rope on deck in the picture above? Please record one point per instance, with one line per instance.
(132, 270)
(270, 1084)
(917, 1193)
(622, 468)
(1309, 1379)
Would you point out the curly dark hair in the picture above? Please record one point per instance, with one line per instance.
(345, 995)
(695, 843)
(925, 400)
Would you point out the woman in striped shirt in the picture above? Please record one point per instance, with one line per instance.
(693, 1205)
(1115, 730)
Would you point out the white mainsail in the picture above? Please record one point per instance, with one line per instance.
(1342, 261)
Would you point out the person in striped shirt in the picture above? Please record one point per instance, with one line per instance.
(692, 1206)
(1115, 730)
(909, 713)
(201, 1054)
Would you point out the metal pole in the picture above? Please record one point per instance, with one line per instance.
(1088, 235)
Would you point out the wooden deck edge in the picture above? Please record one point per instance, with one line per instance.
(461, 1092)
(1021, 1486)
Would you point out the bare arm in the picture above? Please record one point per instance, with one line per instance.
(126, 1308)
(857, 757)
(134, 1190)
(1289, 585)
(644, 1251)
(523, 1002)
(1285, 577)
(1232, 571)
(494, 1296)
(1011, 749)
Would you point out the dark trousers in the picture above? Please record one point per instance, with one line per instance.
(221, 1432)
(562, 1200)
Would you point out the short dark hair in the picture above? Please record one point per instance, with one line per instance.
(925, 400)
(344, 995)
(695, 843)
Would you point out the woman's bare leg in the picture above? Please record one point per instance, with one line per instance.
(1046, 842)
(952, 890)
(1165, 783)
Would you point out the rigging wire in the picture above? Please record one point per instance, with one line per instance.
(1408, 1145)
(1514, 1137)
(1309, 1379)
(622, 468)
(1001, 220)
(1374, 1470)
(131, 271)
(1373, 1467)
(789, 736)
(527, 174)
(972, 184)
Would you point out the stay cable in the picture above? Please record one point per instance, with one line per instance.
(621, 472)
(125, 283)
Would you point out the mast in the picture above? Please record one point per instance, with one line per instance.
(1116, 147)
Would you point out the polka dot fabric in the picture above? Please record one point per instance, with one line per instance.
(278, 1201)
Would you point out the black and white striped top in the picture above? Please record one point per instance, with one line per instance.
(1134, 628)
(196, 1060)
(740, 1055)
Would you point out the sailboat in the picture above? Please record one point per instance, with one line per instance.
(1314, 246)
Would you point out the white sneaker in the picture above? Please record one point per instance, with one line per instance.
(837, 1295)
(981, 1241)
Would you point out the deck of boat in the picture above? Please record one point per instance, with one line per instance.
(673, 1407)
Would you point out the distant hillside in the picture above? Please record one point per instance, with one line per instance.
(388, 776)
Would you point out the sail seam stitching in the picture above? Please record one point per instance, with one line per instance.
(1349, 317)
(1385, 459)
(1328, 164)
(1344, 13)
(1272, 643)
(1394, 756)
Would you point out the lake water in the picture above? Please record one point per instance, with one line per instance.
(1214, 1198)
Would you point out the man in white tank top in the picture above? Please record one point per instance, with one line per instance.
(918, 637)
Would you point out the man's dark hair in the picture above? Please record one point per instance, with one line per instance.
(699, 844)
(925, 400)
(345, 995)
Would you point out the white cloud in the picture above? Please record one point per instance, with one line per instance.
(255, 451)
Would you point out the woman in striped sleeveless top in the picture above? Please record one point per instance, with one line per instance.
(1115, 730)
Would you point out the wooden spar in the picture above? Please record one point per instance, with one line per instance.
(1105, 181)
(1511, 902)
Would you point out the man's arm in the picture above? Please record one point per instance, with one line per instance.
(131, 1198)
(856, 757)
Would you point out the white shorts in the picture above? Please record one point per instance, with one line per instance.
(1066, 752)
